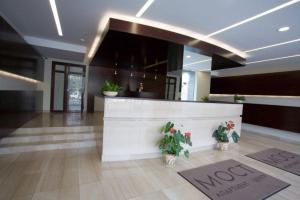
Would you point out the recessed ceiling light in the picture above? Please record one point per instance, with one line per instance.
(255, 17)
(188, 56)
(283, 29)
(56, 17)
(144, 8)
(273, 45)
(271, 59)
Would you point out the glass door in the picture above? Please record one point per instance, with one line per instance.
(75, 89)
(68, 83)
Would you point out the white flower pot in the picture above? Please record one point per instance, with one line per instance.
(240, 101)
(170, 159)
(110, 93)
(223, 146)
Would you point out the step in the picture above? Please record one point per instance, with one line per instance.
(66, 129)
(41, 146)
(42, 137)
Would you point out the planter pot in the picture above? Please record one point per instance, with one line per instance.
(223, 146)
(240, 101)
(169, 159)
(110, 93)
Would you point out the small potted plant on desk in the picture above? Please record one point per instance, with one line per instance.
(239, 99)
(110, 89)
(224, 133)
(205, 99)
(171, 143)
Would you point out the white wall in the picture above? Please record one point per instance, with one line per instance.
(202, 85)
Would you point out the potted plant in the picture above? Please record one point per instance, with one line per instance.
(205, 99)
(223, 133)
(171, 143)
(239, 99)
(110, 89)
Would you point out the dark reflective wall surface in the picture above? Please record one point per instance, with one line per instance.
(131, 61)
(16, 56)
(18, 105)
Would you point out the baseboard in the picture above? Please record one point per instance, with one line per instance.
(110, 158)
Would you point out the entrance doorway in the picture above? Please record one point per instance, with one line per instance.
(67, 87)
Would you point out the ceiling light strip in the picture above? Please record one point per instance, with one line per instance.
(271, 59)
(289, 3)
(273, 45)
(11, 75)
(56, 17)
(144, 8)
(201, 61)
(94, 47)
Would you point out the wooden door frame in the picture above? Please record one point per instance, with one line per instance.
(65, 96)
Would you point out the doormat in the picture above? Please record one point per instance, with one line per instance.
(232, 180)
(281, 159)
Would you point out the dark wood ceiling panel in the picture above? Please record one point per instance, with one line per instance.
(223, 58)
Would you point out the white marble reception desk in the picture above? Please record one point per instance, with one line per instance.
(132, 126)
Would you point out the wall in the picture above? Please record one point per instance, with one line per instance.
(274, 101)
(202, 85)
(20, 100)
(7, 83)
(98, 76)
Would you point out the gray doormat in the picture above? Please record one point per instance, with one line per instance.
(232, 180)
(281, 159)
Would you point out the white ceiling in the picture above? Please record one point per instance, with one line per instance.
(80, 19)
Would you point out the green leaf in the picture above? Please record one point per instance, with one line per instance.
(186, 153)
(235, 137)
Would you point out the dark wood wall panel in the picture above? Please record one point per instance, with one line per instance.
(278, 117)
(17, 107)
(282, 83)
(17, 56)
(98, 75)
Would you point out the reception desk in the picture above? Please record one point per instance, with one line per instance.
(132, 126)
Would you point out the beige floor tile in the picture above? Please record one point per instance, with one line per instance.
(152, 196)
(50, 182)
(87, 174)
(70, 178)
(27, 197)
(71, 163)
(28, 185)
(63, 174)
(111, 190)
(184, 192)
(49, 195)
(56, 164)
(91, 191)
(70, 193)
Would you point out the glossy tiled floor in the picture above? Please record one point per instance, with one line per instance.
(65, 119)
(79, 174)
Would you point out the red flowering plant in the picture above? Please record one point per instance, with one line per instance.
(173, 139)
(223, 133)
